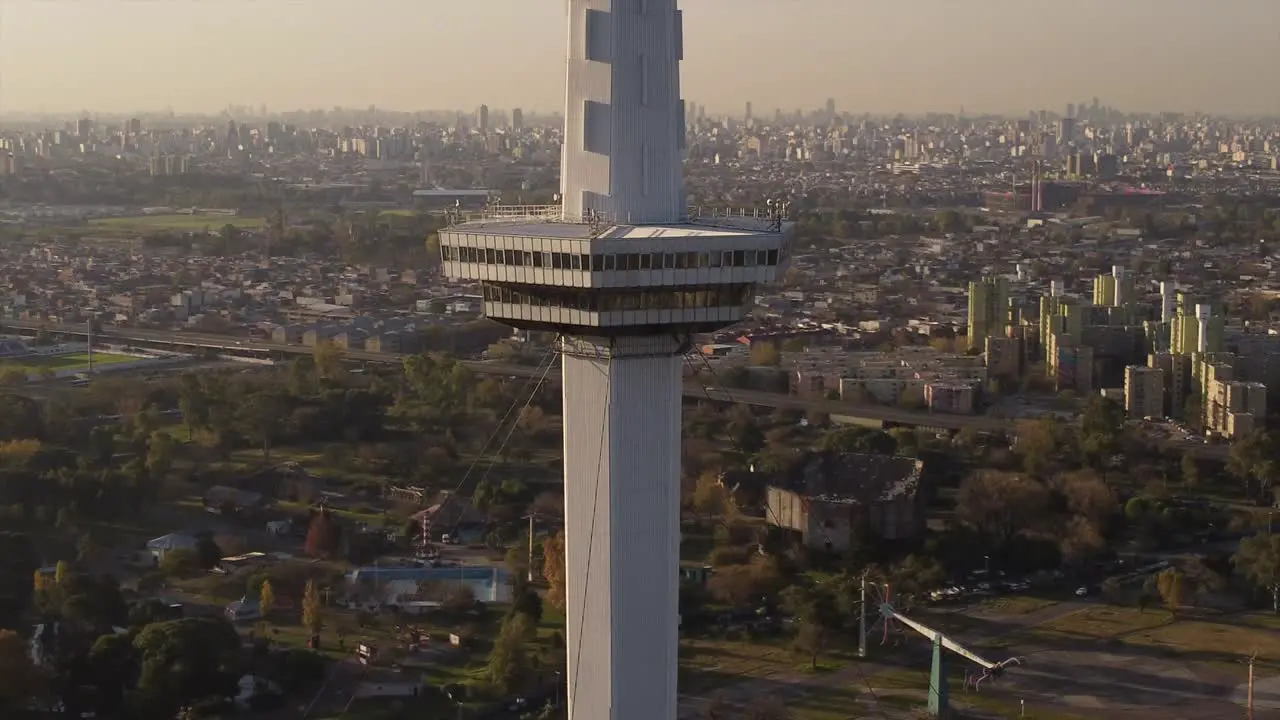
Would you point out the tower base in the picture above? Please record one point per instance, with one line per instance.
(622, 401)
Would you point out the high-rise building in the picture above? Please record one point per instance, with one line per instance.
(517, 119)
(482, 118)
(1066, 130)
(1144, 392)
(748, 115)
(1114, 290)
(988, 310)
(625, 279)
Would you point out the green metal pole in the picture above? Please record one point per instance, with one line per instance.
(939, 698)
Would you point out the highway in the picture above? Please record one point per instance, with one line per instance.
(696, 388)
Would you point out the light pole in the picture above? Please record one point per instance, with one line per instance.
(986, 564)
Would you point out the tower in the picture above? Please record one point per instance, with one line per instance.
(625, 275)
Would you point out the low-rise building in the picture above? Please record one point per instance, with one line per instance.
(831, 499)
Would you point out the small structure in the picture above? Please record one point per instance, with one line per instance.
(165, 544)
(830, 497)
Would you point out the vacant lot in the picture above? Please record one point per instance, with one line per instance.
(188, 223)
(65, 362)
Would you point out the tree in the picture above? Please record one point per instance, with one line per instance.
(1089, 497)
(1171, 584)
(1258, 559)
(312, 609)
(208, 552)
(266, 598)
(1036, 443)
(179, 562)
(529, 603)
(765, 353)
(1190, 471)
(740, 585)
(321, 535)
(20, 679)
(510, 666)
(328, 359)
(858, 440)
(18, 564)
(259, 419)
(708, 495)
(553, 569)
(1001, 505)
(1080, 541)
(160, 450)
(183, 662)
(816, 618)
(1101, 427)
(1252, 460)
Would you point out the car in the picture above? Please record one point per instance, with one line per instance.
(1082, 591)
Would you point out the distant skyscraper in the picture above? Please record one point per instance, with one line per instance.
(1071, 110)
(748, 116)
(831, 110)
(517, 119)
(482, 118)
(1066, 130)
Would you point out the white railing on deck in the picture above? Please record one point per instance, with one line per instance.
(764, 219)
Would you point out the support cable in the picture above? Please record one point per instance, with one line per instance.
(544, 364)
(591, 533)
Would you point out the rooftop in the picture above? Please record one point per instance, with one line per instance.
(851, 477)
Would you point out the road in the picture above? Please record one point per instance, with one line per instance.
(692, 389)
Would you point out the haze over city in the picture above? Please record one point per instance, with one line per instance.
(910, 56)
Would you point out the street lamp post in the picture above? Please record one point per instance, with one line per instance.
(986, 564)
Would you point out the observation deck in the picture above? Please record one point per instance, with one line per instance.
(543, 269)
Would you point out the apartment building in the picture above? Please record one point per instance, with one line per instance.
(1144, 392)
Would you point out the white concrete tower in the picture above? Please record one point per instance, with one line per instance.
(626, 276)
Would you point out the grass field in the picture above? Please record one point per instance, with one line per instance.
(1015, 605)
(190, 223)
(65, 362)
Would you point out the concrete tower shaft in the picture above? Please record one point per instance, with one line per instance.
(624, 119)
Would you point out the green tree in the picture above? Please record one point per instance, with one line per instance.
(1258, 559)
(18, 564)
(259, 419)
(816, 618)
(179, 562)
(1101, 428)
(160, 450)
(553, 569)
(183, 662)
(510, 665)
(1190, 471)
(858, 440)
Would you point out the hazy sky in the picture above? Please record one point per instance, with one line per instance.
(870, 55)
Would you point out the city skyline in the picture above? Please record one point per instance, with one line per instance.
(924, 56)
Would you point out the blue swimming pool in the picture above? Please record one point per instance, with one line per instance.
(490, 583)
